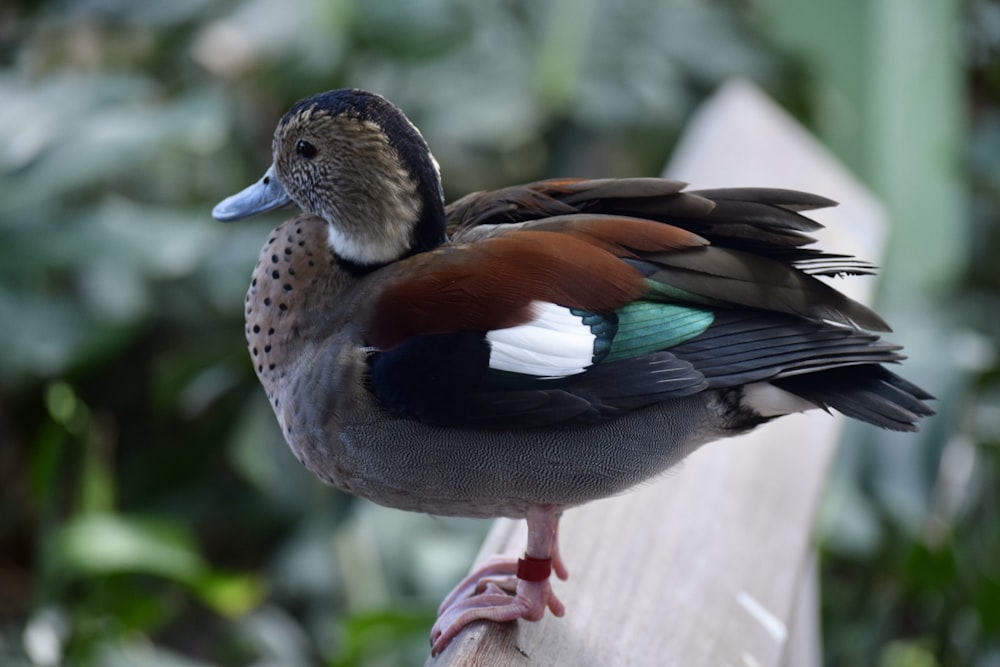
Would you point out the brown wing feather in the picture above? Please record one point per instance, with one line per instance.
(618, 233)
(737, 278)
(760, 220)
(564, 196)
(563, 241)
(490, 284)
(610, 230)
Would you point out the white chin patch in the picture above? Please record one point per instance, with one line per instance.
(770, 401)
(554, 344)
(365, 251)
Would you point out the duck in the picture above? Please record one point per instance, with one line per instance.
(529, 349)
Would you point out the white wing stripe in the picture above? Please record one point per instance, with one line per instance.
(554, 344)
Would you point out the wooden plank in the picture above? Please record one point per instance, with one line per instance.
(805, 636)
(704, 566)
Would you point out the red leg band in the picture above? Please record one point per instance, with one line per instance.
(530, 568)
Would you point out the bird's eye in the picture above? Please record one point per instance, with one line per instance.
(306, 149)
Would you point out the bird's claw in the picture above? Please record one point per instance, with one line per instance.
(492, 593)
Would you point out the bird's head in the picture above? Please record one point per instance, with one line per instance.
(355, 160)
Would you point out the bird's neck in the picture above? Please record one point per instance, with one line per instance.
(430, 230)
(428, 233)
(401, 219)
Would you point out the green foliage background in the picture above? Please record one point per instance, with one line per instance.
(149, 512)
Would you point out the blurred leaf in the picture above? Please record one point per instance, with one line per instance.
(149, 241)
(50, 334)
(44, 636)
(987, 600)
(258, 451)
(100, 544)
(931, 568)
(44, 462)
(98, 491)
(276, 637)
(65, 408)
(104, 544)
(304, 567)
(230, 594)
(136, 653)
(72, 132)
(906, 654)
(151, 14)
(418, 29)
(847, 522)
(367, 635)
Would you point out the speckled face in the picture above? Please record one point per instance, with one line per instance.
(344, 169)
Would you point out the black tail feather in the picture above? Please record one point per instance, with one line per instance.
(868, 392)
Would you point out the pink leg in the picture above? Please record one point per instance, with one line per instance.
(505, 589)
